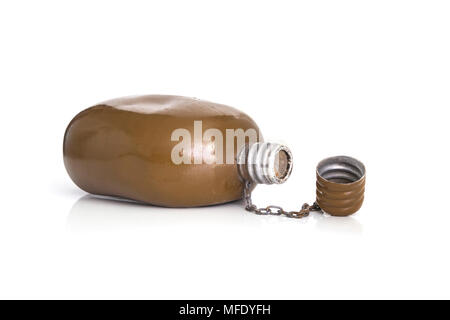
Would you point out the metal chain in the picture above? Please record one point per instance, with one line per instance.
(276, 210)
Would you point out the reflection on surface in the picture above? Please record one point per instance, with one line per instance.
(92, 212)
(102, 213)
(341, 225)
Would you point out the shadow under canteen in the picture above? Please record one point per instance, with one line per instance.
(94, 213)
(97, 212)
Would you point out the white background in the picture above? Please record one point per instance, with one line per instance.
(369, 79)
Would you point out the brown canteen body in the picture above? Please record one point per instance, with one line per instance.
(122, 148)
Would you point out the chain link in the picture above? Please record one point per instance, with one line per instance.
(276, 210)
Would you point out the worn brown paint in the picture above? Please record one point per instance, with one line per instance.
(123, 147)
